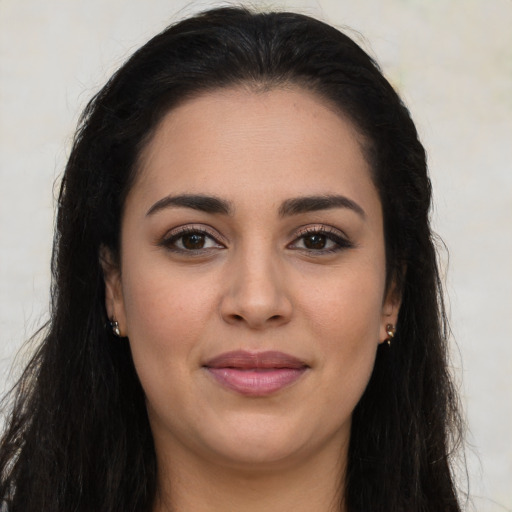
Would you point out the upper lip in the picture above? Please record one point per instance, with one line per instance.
(246, 360)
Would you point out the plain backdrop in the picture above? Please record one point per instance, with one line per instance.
(451, 60)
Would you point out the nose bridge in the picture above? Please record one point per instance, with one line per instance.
(256, 293)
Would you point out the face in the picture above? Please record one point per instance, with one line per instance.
(252, 278)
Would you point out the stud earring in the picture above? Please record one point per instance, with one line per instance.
(390, 331)
(114, 325)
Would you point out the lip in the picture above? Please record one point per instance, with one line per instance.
(256, 373)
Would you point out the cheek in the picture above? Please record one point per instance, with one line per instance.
(157, 295)
(166, 314)
(345, 317)
(346, 306)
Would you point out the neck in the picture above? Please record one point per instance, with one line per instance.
(204, 486)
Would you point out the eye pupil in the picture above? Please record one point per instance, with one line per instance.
(315, 241)
(193, 241)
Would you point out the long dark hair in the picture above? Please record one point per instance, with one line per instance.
(78, 437)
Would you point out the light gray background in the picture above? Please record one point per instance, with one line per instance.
(450, 59)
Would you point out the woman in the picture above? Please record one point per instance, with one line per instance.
(247, 312)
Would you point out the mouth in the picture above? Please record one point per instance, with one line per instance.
(256, 373)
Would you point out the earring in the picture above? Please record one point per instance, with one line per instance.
(114, 325)
(390, 331)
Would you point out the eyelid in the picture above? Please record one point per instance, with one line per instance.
(325, 229)
(335, 235)
(178, 231)
(332, 233)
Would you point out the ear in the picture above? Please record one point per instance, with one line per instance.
(114, 300)
(390, 310)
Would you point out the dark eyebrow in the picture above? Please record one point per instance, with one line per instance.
(208, 204)
(307, 204)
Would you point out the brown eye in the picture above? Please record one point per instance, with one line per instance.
(193, 241)
(321, 241)
(315, 241)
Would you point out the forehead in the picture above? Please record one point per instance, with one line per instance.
(279, 142)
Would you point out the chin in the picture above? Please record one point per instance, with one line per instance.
(263, 445)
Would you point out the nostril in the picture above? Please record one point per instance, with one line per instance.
(240, 318)
(257, 310)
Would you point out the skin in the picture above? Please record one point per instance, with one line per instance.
(258, 283)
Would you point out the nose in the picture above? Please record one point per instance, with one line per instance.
(255, 294)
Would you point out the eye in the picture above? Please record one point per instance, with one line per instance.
(320, 240)
(191, 240)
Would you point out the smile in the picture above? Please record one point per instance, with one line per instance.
(256, 374)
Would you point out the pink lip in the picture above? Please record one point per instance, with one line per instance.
(256, 373)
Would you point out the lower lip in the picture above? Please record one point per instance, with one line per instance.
(260, 382)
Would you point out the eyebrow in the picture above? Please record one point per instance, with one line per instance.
(289, 207)
(307, 204)
(207, 204)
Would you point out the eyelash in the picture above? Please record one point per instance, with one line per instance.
(341, 242)
(329, 233)
(170, 240)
